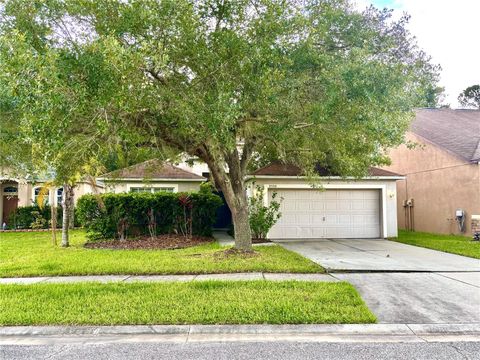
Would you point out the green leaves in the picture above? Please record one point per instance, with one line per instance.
(304, 82)
(134, 209)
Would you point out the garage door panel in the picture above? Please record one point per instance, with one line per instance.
(317, 205)
(288, 219)
(344, 219)
(344, 204)
(302, 205)
(288, 206)
(313, 213)
(319, 232)
(359, 205)
(330, 219)
(371, 204)
(303, 218)
(372, 220)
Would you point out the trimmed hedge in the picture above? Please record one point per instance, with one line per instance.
(101, 217)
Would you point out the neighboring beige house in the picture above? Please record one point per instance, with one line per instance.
(16, 192)
(343, 208)
(151, 176)
(442, 173)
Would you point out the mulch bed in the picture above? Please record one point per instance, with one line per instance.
(260, 241)
(165, 242)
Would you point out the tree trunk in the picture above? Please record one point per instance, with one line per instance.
(67, 202)
(235, 192)
(71, 221)
(241, 224)
(53, 215)
(232, 184)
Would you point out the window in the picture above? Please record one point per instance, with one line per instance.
(41, 194)
(59, 196)
(10, 190)
(151, 189)
(167, 189)
(140, 190)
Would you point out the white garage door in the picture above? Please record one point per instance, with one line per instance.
(310, 213)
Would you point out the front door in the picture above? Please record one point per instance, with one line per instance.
(10, 204)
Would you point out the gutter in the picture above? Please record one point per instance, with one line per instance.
(149, 180)
(249, 177)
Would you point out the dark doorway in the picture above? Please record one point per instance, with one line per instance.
(224, 216)
(10, 204)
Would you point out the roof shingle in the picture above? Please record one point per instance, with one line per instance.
(152, 169)
(457, 131)
(280, 169)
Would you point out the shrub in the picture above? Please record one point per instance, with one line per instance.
(24, 216)
(262, 217)
(40, 222)
(110, 216)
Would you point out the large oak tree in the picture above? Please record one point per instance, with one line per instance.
(231, 82)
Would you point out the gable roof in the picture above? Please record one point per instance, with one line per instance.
(153, 169)
(456, 131)
(280, 169)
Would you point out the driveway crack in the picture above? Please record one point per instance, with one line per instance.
(458, 351)
(451, 278)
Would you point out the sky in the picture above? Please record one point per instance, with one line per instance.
(449, 31)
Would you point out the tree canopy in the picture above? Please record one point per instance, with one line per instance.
(234, 83)
(470, 97)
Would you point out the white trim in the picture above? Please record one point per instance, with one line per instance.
(55, 196)
(154, 186)
(149, 181)
(324, 178)
(381, 187)
(34, 199)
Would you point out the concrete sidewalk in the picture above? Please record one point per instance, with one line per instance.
(170, 278)
(36, 335)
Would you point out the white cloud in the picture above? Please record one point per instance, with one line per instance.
(449, 32)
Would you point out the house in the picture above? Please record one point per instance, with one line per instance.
(442, 172)
(15, 192)
(343, 208)
(151, 176)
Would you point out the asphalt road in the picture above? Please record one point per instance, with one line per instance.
(243, 350)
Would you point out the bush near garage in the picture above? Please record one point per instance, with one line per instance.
(109, 216)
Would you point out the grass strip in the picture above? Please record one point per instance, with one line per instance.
(32, 254)
(454, 244)
(206, 302)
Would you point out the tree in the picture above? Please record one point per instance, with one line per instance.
(470, 97)
(230, 82)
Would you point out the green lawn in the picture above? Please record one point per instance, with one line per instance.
(206, 302)
(454, 244)
(32, 254)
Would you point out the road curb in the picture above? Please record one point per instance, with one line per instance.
(308, 329)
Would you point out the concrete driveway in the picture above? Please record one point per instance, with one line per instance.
(378, 255)
(402, 283)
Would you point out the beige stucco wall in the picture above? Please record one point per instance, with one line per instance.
(179, 186)
(386, 186)
(439, 183)
(26, 192)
